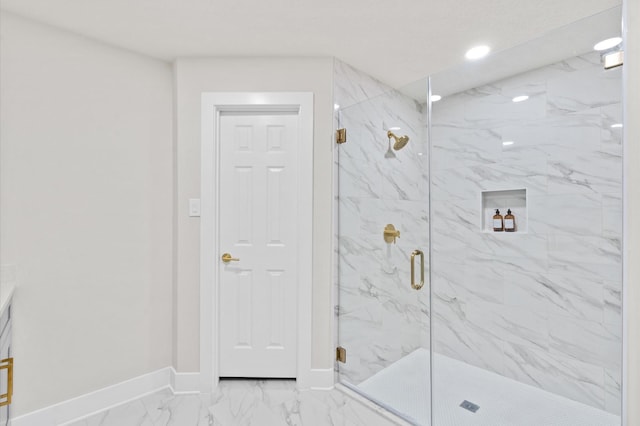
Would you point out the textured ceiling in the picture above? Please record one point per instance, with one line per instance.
(397, 41)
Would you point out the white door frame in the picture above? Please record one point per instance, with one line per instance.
(214, 103)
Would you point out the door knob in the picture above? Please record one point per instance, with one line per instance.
(226, 258)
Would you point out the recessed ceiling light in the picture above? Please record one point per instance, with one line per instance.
(616, 126)
(507, 143)
(420, 153)
(608, 43)
(520, 98)
(435, 98)
(394, 128)
(336, 106)
(477, 52)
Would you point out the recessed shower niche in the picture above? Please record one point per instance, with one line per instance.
(503, 200)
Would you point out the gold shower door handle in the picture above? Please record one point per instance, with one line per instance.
(226, 258)
(413, 269)
(7, 364)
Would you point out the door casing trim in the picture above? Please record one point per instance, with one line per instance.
(214, 104)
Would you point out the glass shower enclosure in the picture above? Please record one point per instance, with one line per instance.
(383, 221)
(478, 247)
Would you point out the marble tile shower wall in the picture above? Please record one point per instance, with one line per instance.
(541, 307)
(381, 319)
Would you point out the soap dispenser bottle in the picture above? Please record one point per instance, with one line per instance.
(509, 222)
(498, 223)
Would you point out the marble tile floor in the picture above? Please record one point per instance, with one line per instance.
(403, 386)
(245, 403)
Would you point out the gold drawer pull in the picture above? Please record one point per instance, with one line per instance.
(5, 398)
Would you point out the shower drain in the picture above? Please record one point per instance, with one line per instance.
(470, 406)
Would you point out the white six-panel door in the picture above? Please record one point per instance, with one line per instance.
(258, 225)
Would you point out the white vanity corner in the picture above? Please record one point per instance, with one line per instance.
(6, 357)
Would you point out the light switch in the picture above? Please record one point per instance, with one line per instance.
(194, 207)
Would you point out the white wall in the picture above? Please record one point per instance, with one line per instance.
(194, 76)
(632, 212)
(86, 144)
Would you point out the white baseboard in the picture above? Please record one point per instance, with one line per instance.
(321, 378)
(94, 402)
(182, 383)
(103, 399)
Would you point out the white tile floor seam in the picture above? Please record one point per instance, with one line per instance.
(403, 385)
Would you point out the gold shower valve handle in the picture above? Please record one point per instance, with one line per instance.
(226, 258)
(390, 234)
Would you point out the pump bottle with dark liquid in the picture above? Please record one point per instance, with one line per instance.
(498, 223)
(509, 222)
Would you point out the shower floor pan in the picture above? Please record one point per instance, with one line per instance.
(404, 387)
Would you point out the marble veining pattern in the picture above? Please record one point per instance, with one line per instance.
(381, 319)
(244, 403)
(403, 386)
(544, 306)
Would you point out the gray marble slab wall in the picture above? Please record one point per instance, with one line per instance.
(380, 317)
(542, 307)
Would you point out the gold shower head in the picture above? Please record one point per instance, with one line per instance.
(401, 141)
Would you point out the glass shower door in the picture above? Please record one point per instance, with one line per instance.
(516, 203)
(382, 240)
(526, 199)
